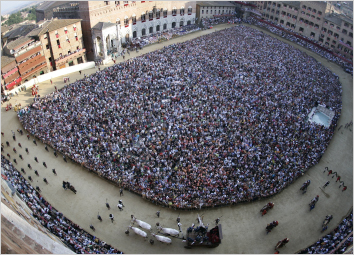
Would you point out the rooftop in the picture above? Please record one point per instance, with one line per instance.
(18, 42)
(215, 3)
(50, 5)
(5, 60)
(103, 25)
(334, 18)
(293, 3)
(53, 25)
(18, 31)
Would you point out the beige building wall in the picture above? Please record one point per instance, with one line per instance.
(92, 12)
(67, 41)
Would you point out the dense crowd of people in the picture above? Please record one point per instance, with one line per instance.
(330, 242)
(297, 40)
(163, 35)
(209, 22)
(212, 121)
(69, 233)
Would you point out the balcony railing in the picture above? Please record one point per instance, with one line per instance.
(27, 49)
(70, 57)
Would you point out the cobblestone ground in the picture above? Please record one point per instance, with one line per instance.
(243, 226)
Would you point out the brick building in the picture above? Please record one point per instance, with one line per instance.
(47, 9)
(10, 76)
(62, 42)
(325, 22)
(133, 19)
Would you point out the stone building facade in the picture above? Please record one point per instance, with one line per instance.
(62, 42)
(210, 9)
(133, 18)
(323, 21)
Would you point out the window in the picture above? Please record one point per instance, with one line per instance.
(207, 11)
(309, 8)
(319, 13)
(143, 17)
(324, 29)
(157, 14)
(272, 10)
(288, 14)
(165, 13)
(134, 19)
(151, 15)
(312, 34)
(202, 11)
(350, 34)
(126, 22)
(301, 29)
(346, 24)
(302, 12)
(326, 22)
(65, 30)
(276, 19)
(58, 42)
(106, 2)
(125, 3)
(308, 14)
(314, 11)
(294, 17)
(181, 11)
(321, 40)
(318, 18)
(334, 41)
(328, 39)
(117, 3)
(296, 9)
(283, 13)
(344, 31)
(288, 24)
(330, 32)
(74, 26)
(338, 27)
(313, 16)
(281, 21)
(290, 7)
(118, 21)
(190, 10)
(304, 7)
(311, 23)
(47, 46)
(285, 5)
(174, 11)
(164, 26)
(317, 26)
(277, 12)
(336, 35)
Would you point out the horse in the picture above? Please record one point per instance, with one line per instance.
(139, 231)
(162, 239)
(141, 223)
(281, 243)
(169, 231)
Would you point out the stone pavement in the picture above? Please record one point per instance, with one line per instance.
(243, 225)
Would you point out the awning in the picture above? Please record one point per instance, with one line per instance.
(9, 86)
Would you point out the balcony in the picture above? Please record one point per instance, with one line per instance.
(25, 55)
(70, 57)
(27, 49)
(29, 61)
(32, 62)
(44, 65)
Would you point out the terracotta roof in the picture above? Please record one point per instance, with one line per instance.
(18, 42)
(103, 25)
(5, 60)
(55, 24)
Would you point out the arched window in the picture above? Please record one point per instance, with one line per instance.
(190, 10)
(118, 21)
(134, 19)
(151, 15)
(181, 11)
(174, 11)
(143, 17)
(157, 13)
(126, 21)
(165, 13)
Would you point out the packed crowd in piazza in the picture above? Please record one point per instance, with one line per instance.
(217, 120)
(297, 40)
(328, 243)
(69, 233)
